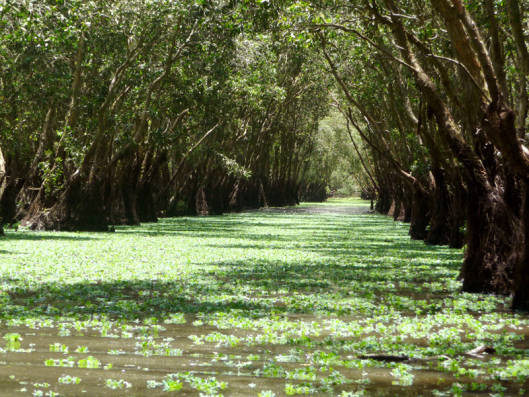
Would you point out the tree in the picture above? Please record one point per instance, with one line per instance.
(121, 112)
(459, 108)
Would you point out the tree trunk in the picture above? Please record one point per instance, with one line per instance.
(262, 200)
(521, 272)
(383, 202)
(408, 205)
(146, 204)
(8, 193)
(83, 204)
(439, 231)
(457, 216)
(130, 198)
(420, 214)
(201, 204)
(492, 236)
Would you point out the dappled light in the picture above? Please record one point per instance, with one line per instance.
(281, 300)
(264, 198)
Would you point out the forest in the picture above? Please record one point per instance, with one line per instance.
(124, 113)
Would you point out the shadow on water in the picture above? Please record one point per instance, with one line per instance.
(334, 269)
(336, 240)
(126, 300)
(296, 268)
(45, 236)
(139, 299)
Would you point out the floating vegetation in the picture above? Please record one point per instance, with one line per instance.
(265, 303)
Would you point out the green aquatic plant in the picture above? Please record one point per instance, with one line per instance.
(59, 348)
(266, 393)
(89, 362)
(298, 389)
(403, 375)
(69, 380)
(117, 384)
(329, 304)
(12, 341)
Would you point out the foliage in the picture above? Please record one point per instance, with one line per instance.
(170, 98)
(334, 162)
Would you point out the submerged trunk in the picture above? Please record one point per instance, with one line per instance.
(439, 228)
(383, 202)
(492, 236)
(201, 203)
(83, 204)
(80, 207)
(456, 218)
(3, 186)
(146, 204)
(420, 214)
(8, 197)
(521, 268)
(130, 199)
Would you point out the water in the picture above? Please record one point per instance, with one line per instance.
(279, 301)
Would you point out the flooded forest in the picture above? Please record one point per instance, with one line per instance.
(264, 198)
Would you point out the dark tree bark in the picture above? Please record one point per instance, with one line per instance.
(420, 214)
(521, 271)
(439, 227)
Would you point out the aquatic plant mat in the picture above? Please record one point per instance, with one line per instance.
(265, 303)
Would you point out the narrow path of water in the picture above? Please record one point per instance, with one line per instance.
(289, 301)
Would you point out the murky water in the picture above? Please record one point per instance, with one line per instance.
(24, 371)
(275, 302)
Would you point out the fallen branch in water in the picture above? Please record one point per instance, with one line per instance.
(384, 357)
